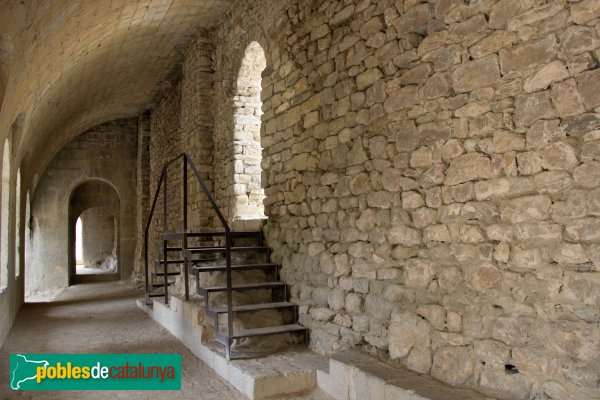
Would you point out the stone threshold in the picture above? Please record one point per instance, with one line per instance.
(353, 375)
(346, 375)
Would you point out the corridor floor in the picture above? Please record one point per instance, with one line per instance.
(103, 318)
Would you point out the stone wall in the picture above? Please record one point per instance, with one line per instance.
(98, 239)
(142, 196)
(165, 144)
(197, 125)
(431, 172)
(182, 120)
(103, 155)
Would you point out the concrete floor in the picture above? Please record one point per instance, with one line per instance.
(103, 318)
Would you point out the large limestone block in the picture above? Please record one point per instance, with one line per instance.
(404, 235)
(527, 208)
(584, 11)
(567, 98)
(482, 275)
(402, 98)
(585, 230)
(588, 85)
(436, 86)
(453, 365)
(533, 107)
(582, 124)
(535, 15)
(528, 55)
(550, 73)
(492, 43)
(413, 20)
(578, 39)
(508, 141)
(418, 273)
(559, 156)
(468, 167)
(543, 133)
(407, 331)
(569, 254)
(588, 174)
(476, 74)
(503, 11)
(368, 78)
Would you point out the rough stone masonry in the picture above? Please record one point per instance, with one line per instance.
(432, 178)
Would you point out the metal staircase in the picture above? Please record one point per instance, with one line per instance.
(197, 253)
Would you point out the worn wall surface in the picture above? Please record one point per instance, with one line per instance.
(98, 238)
(182, 120)
(106, 153)
(196, 120)
(431, 173)
(11, 292)
(142, 196)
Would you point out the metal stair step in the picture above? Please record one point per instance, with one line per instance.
(270, 330)
(241, 267)
(252, 307)
(180, 261)
(176, 261)
(242, 287)
(161, 284)
(220, 249)
(169, 273)
(180, 235)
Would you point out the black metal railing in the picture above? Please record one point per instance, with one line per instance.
(164, 183)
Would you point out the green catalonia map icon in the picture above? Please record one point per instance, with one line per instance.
(23, 370)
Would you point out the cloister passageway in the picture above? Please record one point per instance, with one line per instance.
(103, 318)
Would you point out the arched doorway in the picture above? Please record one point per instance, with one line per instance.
(94, 233)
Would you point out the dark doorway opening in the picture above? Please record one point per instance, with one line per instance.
(94, 233)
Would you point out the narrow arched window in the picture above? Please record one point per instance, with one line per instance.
(247, 158)
(18, 225)
(27, 220)
(4, 215)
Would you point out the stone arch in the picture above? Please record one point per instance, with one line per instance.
(4, 214)
(247, 148)
(87, 195)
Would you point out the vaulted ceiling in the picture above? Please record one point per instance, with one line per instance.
(68, 65)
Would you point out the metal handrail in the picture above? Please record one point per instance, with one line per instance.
(228, 241)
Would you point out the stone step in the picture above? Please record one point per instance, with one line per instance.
(355, 375)
(280, 375)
